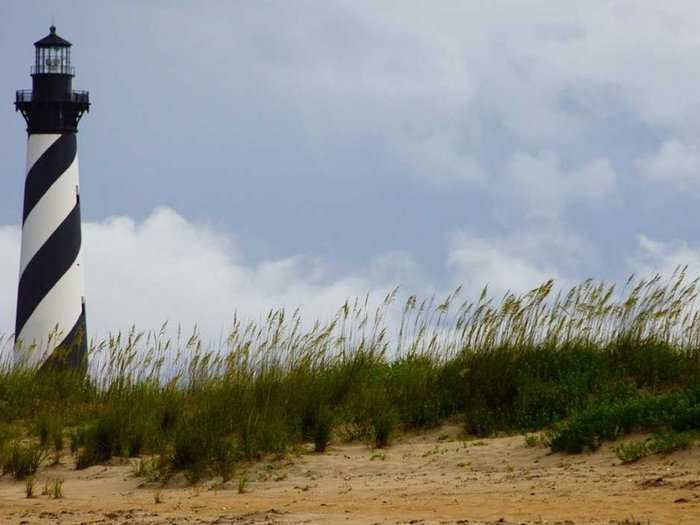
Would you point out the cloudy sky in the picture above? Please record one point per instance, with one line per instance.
(245, 155)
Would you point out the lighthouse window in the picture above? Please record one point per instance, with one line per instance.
(53, 60)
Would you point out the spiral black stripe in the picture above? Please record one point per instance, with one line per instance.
(72, 352)
(48, 265)
(47, 169)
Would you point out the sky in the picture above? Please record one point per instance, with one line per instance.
(240, 156)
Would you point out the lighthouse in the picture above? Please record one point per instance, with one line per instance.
(50, 329)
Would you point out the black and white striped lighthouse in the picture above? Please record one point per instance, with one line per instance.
(50, 328)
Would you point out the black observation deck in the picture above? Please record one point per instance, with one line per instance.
(25, 96)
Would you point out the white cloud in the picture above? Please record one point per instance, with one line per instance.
(664, 257)
(516, 262)
(480, 262)
(544, 188)
(9, 276)
(170, 268)
(167, 268)
(675, 163)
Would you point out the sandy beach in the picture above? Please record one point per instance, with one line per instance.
(432, 478)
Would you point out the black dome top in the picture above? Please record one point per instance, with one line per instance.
(52, 40)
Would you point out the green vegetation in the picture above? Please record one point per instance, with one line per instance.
(21, 460)
(582, 367)
(29, 487)
(242, 482)
(678, 411)
(323, 426)
(663, 443)
(54, 488)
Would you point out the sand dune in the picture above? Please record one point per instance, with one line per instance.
(432, 478)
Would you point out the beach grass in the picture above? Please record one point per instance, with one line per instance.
(588, 364)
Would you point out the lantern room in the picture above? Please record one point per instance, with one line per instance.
(52, 55)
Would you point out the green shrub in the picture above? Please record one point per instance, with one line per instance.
(490, 389)
(22, 460)
(29, 484)
(415, 391)
(55, 489)
(168, 411)
(383, 425)
(264, 434)
(323, 427)
(650, 363)
(242, 484)
(58, 444)
(632, 451)
(646, 412)
(190, 453)
(96, 442)
(43, 430)
(224, 456)
(75, 438)
(660, 443)
(541, 439)
(132, 438)
(667, 442)
(149, 468)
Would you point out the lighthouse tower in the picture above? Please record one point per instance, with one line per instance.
(50, 328)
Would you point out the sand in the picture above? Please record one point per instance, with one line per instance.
(431, 478)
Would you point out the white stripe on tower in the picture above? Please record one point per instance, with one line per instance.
(37, 146)
(53, 207)
(56, 314)
(50, 306)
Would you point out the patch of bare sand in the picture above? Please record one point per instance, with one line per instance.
(433, 478)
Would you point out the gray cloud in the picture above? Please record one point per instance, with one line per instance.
(539, 185)
(676, 164)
